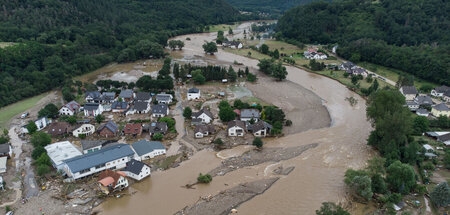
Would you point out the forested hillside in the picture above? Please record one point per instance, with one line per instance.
(273, 7)
(58, 39)
(410, 35)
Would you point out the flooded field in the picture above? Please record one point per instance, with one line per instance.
(320, 115)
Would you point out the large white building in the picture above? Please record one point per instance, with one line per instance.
(148, 149)
(193, 94)
(85, 129)
(60, 151)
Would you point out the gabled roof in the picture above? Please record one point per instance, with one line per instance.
(140, 106)
(422, 111)
(163, 97)
(91, 106)
(193, 90)
(203, 111)
(93, 94)
(99, 157)
(160, 109)
(126, 94)
(424, 100)
(73, 106)
(110, 125)
(156, 127)
(441, 107)
(442, 89)
(408, 90)
(143, 147)
(108, 96)
(260, 125)
(134, 166)
(444, 138)
(143, 96)
(59, 128)
(88, 144)
(119, 105)
(133, 128)
(4, 148)
(109, 177)
(205, 128)
(250, 113)
(237, 123)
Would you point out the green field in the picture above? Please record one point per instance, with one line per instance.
(339, 76)
(8, 112)
(222, 27)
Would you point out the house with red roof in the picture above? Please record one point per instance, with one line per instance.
(70, 109)
(110, 181)
(132, 129)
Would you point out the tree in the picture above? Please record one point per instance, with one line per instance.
(71, 120)
(50, 110)
(180, 44)
(173, 44)
(421, 125)
(276, 54)
(43, 169)
(279, 71)
(440, 196)
(37, 151)
(376, 166)
(31, 127)
(205, 179)
(258, 142)
(44, 160)
(67, 94)
(170, 122)
(187, 112)
(247, 71)
(199, 78)
(359, 182)
(378, 184)
(40, 139)
(218, 142)
(265, 66)
(176, 71)
(99, 118)
(401, 177)
(210, 47)
(226, 114)
(264, 49)
(251, 77)
(354, 79)
(329, 208)
(157, 136)
(230, 31)
(231, 74)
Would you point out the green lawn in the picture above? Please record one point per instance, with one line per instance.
(8, 112)
(222, 27)
(339, 76)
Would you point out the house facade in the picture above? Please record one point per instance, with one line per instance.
(137, 170)
(92, 109)
(141, 107)
(204, 116)
(440, 91)
(440, 110)
(132, 129)
(410, 92)
(236, 128)
(42, 122)
(164, 98)
(84, 129)
(93, 97)
(70, 109)
(160, 110)
(148, 149)
(193, 94)
(110, 181)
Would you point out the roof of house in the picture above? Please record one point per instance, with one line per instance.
(88, 144)
(163, 97)
(93, 94)
(424, 100)
(99, 157)
(193, 90)
(422, 111)
(203, 111)
(442, 89)
(73, 106)
(109, 125)
(91, 106)
(143, 147)
(260, 125)
(141, 106)
(126, 94)
(156, 127)
(444, 138)
(427, 147)
(133, 128)
(411, 103)
(250, 113)
(407, 90)
(119, 105)
(347, 65)
(160, 109)
(237, 123)
(441, 107)
(108, 96)
(58, 128)
(134, 166)
(4, 148)
(61, 151)
(205, 128)
(143, 96)
(109, 177)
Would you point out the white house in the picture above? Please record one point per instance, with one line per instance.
(93, 97)
(110, 181)
(259, 129)
(136, 170)
(141, 107)
(42, 122)
(148, 149)
(320, 56)
(86, 129)
(428, 148)
(236, 128)
(61, 151)
(204, 116)
(193, 93)
(92, 109)
(440, 91)
(412, 105)
(164, 98)
(410, 92)
(111, 157)
(201, 131)
(233, 44)
(70, 108)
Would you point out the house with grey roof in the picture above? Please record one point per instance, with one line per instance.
(109, 129)
(440, 110)
(249, 114)
(89, 146)
(70, 109)
(424, 100)
(148, 149)
(204, 116)
(5, 150)
(157, 128)
(136, 170)
(260, 128)
(346, 66)
(142, 107)
(119, 107)
(108, 97)
(409, 92)
(126, 95)
(92, 109)
(160, 110)
(422, 112)
(143, 97)
(164, 98)
(201, 131)
(440, 91)
(444, 139)
(111, 157)
(412, 105)
(93, 97)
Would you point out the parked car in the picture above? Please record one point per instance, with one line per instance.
(9, 213)
(24, 115)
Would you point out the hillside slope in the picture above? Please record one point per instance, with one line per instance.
(274, 7)
(410, 35)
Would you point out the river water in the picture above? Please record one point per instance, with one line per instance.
(318, 173)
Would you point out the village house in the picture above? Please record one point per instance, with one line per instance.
(111, 157)
(158, 128)
(313, 54)
(42, 122)
(160, 110)
(126, 95)
(440, 91)
(236, 128)
(428, 148)
(109, 129)
(141, 107)
(409, 92)
(93, 97)
(440, 109)
(249, 114)
(143, 97)
(164, 98)
(84, 129)
(357, 71)
(92, 109)
(148, 149)
(70, 109)
(59, 128)
(422, 112)
(89, 146)
(5, 150)
(60, 151)
(201, 131)
(132, 129)
(204, 116)
(136, 170)
(260, 129)
(424, 100)
(111, 181)
(346, 66)
(193, 94)
(412, 105)
(233, 44)
(444, 139)
(119, 107)
(108, 97)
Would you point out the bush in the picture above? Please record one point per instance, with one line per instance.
(218, 142)
(329, 208)
(43, 169)
(258, 142)
(31, 127)
(7, 208)
(40, 139)
(37, 152)
(157, 136)
(440, 196)
(187, 112)
(288, 122)
(44, 159)
(205, 179)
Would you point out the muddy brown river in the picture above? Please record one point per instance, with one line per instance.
(339, 129)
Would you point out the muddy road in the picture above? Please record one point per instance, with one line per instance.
(320, 114)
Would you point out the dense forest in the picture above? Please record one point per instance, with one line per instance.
(55, 40)
(409, 35)
(274, 8)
